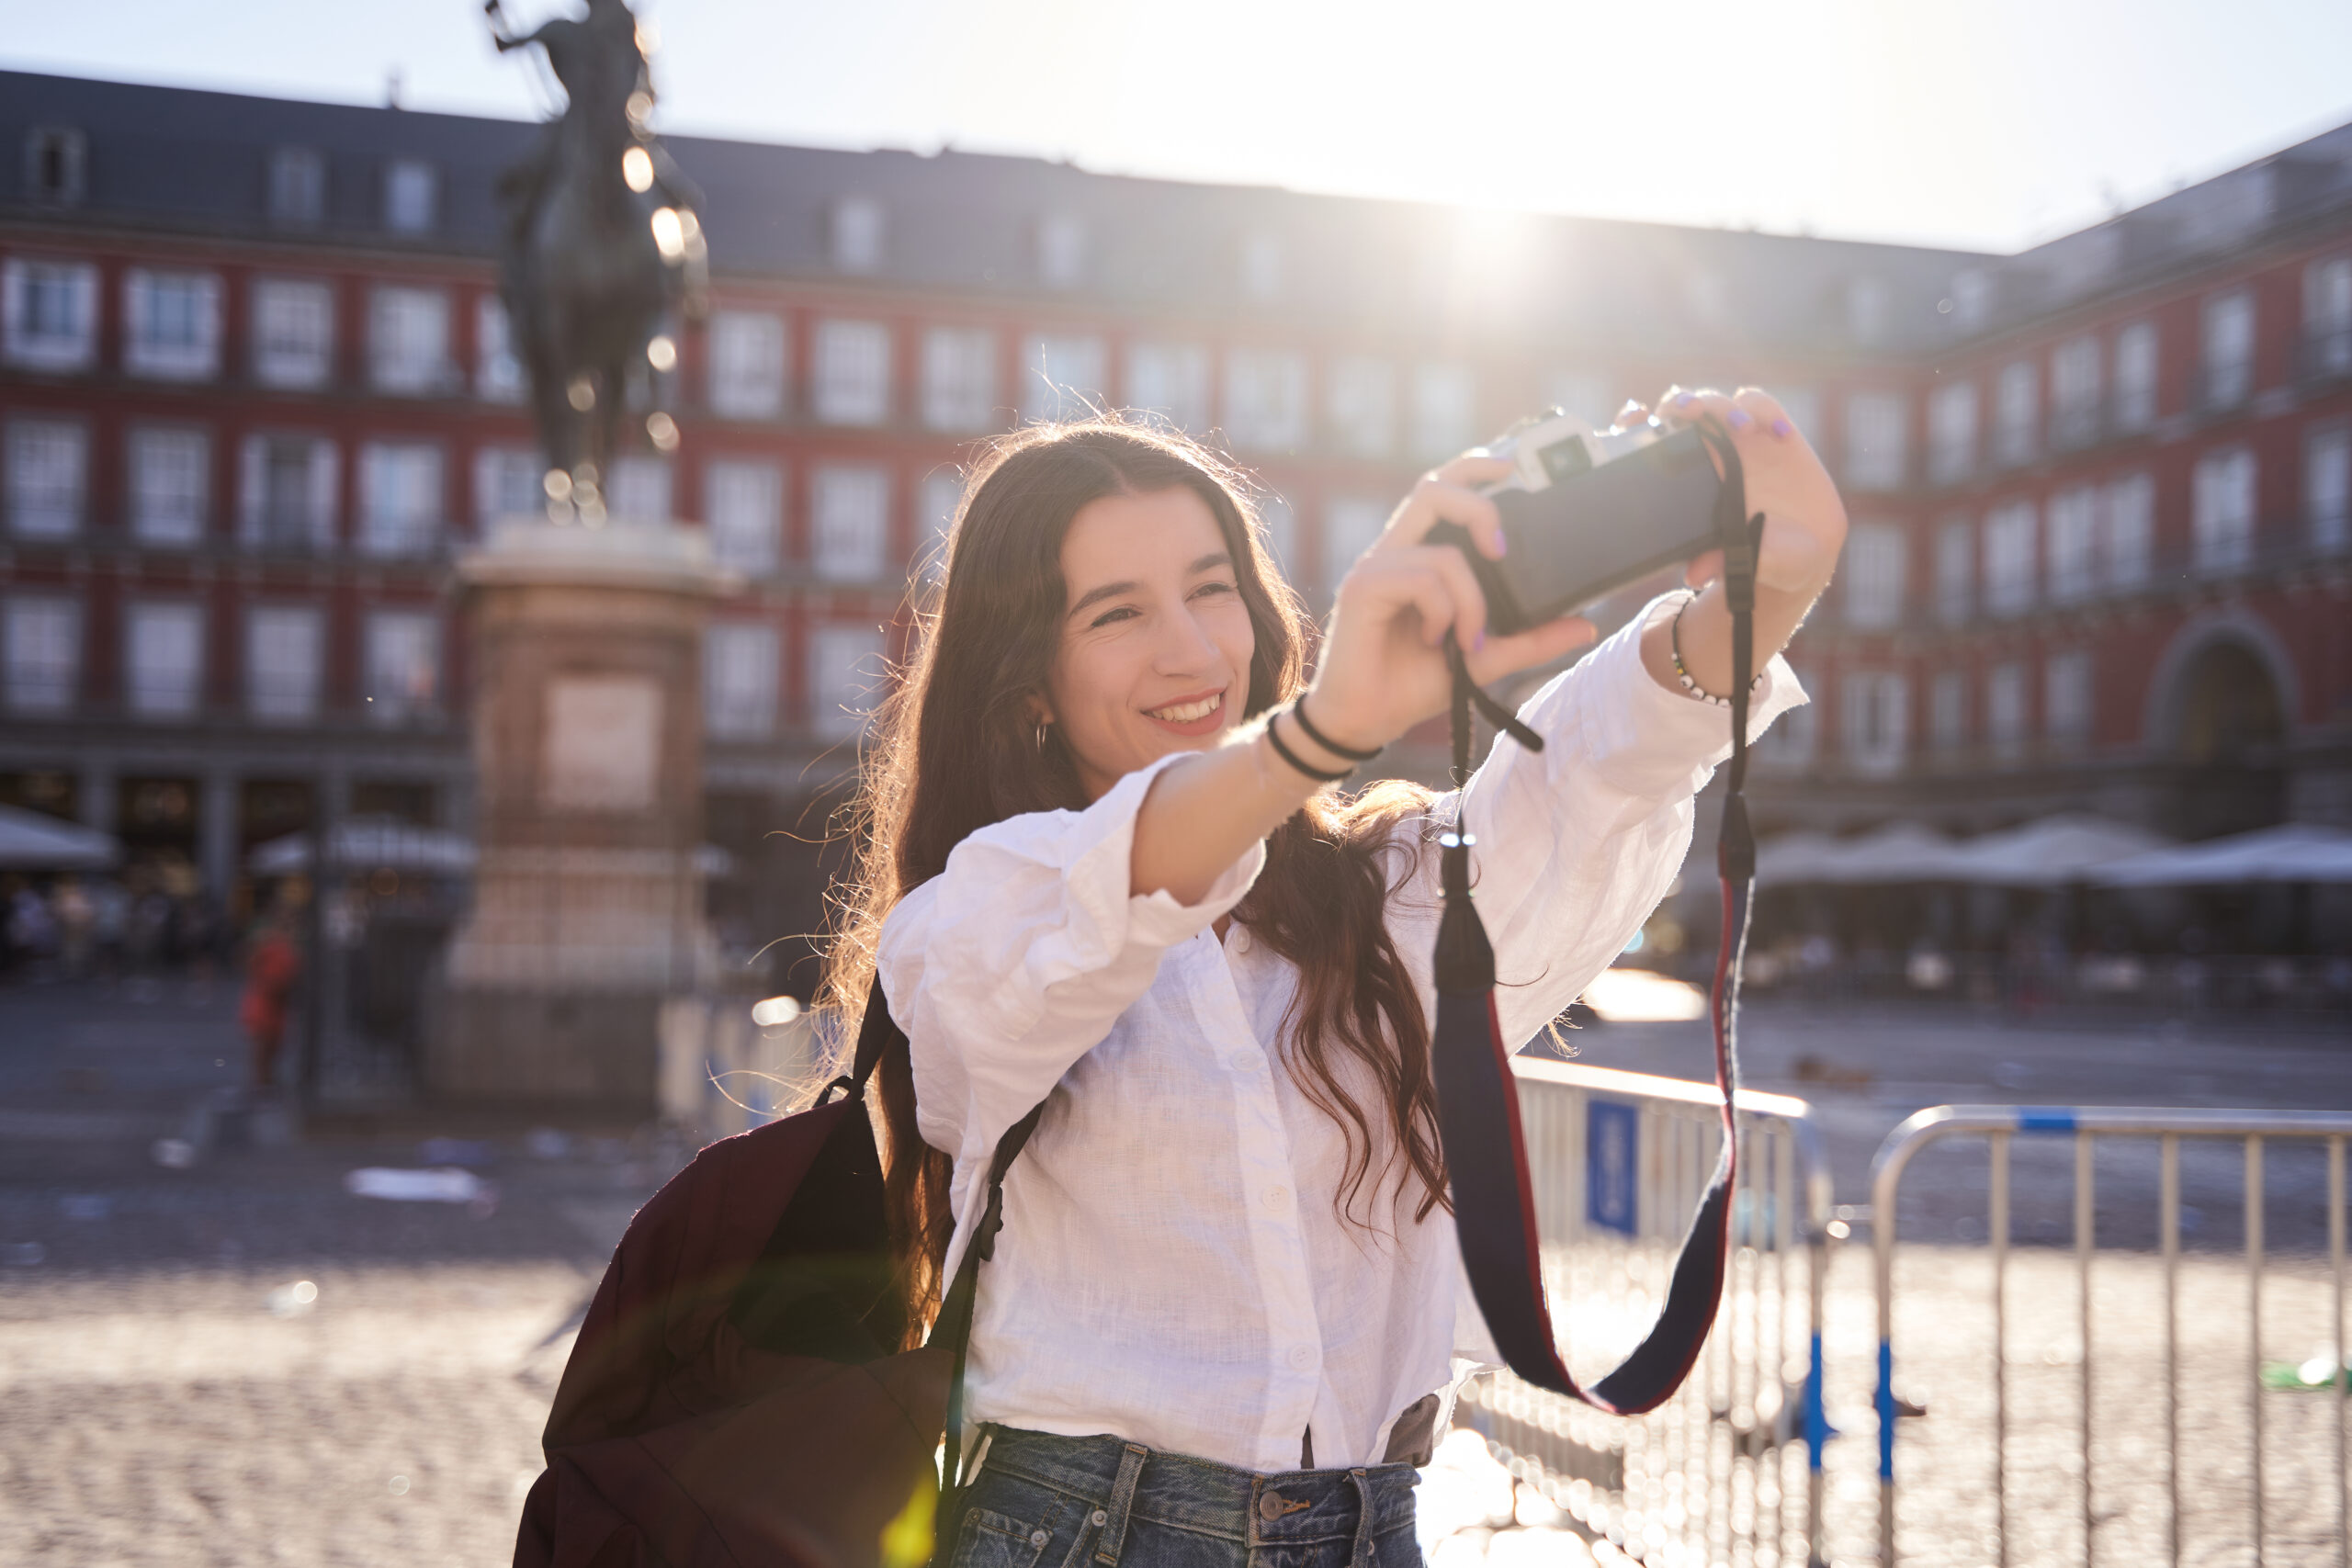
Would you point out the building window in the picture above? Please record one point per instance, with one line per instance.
(857, 235)
(1948, 710)
(942, 492)
(1445, 411)
(746, 365)
(2005, 710)
(959, 379)
(508, 484)
(1874, 714)
(1582, 395)
(637, 490)
(1955, 571)
(171, 473)
(2074, 544)
(2128, 532)
(287, 492)
(2327, 317)
(1278, 529)
(2017, 413)
(2075, 392)
(400, 498)
(164, 659)
(1171, 380)
(403, 665)
(1362, 404)
(1876, 556)
(48, 477)
(853, 372)
(1868, 306)
(1061, 250)
(2066, 697)
(293, 332)
(849, 520)
(845, 679)
(1351, 523)
(2222, 509)
(2226, 374)
(1265, 400)
(56, 165)
(739, 681)
(298, 187)
(746, 514)
(283, 647)
(53, 314)
(1951, 432)
(1061, 376)
(408, 341)
(411, 195)
(2135, 377)
(172, 324)
(1261, 267)
(44, 654)
(2327, 486)
(1875, 458)
(2008, 558)
(499, 376)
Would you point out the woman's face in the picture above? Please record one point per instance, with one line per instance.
(1155, 647)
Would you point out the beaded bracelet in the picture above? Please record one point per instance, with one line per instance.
(1307, 728)
(1682, 674)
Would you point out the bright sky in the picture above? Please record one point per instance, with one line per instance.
(1990, 123)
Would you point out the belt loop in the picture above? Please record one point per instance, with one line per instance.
(1123, 1496)
(1361, 1556)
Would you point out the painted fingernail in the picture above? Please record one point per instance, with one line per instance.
(1502, 545)
(1738, 418)
(1783, 428)
(1685, 400)
(1478, 643)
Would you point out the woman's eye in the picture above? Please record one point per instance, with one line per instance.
(1214, 588)
(1122, 613)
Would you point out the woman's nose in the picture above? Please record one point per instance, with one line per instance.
(1186, 648)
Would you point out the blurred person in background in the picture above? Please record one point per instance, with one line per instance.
(1100, 870)
(76, 925)
(273, 966)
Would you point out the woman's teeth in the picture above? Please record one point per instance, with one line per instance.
(1185, 713)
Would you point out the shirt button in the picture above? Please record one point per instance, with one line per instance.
(1302, 1355)
(1276, 1196)
(1241, 1061)
(1098, 1518)
(1038, 1538)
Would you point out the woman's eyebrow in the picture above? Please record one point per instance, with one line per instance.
(1209, 562)
(1096, 595)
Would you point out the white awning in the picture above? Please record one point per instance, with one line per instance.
(2298, 851)
(1900, 851)
(2052, 851)
(31, 841)
(367, 844)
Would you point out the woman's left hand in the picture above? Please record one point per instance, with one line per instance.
(1804, 521)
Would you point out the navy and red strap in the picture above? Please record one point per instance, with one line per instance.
(1478, 1122)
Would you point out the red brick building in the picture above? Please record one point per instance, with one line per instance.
(254, 396)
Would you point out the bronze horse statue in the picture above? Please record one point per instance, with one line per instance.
(603, 246)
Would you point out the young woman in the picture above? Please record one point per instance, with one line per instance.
(1222, 1316)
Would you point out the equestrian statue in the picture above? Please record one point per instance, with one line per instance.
(602, 246)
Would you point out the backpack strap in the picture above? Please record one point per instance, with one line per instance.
(1478, 1121)
(952, 1330)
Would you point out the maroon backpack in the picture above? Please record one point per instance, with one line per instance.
(736, 1396)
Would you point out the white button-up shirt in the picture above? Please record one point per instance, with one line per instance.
(1173, 1268)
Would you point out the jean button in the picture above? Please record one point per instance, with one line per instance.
(1038, 1538)
(1098, 1518)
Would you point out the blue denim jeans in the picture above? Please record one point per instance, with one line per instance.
(1047, 1502)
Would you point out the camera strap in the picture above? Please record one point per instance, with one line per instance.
(1478, 1120)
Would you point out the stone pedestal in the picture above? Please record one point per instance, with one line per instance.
(587, 911)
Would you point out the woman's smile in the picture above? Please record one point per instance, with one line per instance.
(1202, 713)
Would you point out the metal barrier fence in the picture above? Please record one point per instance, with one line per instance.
(2086, 1126)
(1730, 1468)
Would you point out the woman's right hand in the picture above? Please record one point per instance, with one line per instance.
(1382, 667)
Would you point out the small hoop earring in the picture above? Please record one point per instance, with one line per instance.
(1041, 737)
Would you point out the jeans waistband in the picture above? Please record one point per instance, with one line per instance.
(1291, 1507)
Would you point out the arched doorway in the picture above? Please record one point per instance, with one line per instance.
(2229, 742)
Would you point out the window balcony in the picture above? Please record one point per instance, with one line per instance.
(2222, 388)
(2324, 354)
(2073, 428)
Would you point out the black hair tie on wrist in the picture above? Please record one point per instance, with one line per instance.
(1307, 728)
(1287, 755)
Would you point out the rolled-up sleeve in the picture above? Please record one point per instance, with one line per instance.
(1017, 959)
(1578, 843)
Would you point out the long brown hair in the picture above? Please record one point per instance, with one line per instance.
(955, 748)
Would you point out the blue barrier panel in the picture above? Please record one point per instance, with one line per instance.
(1613, 1165)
